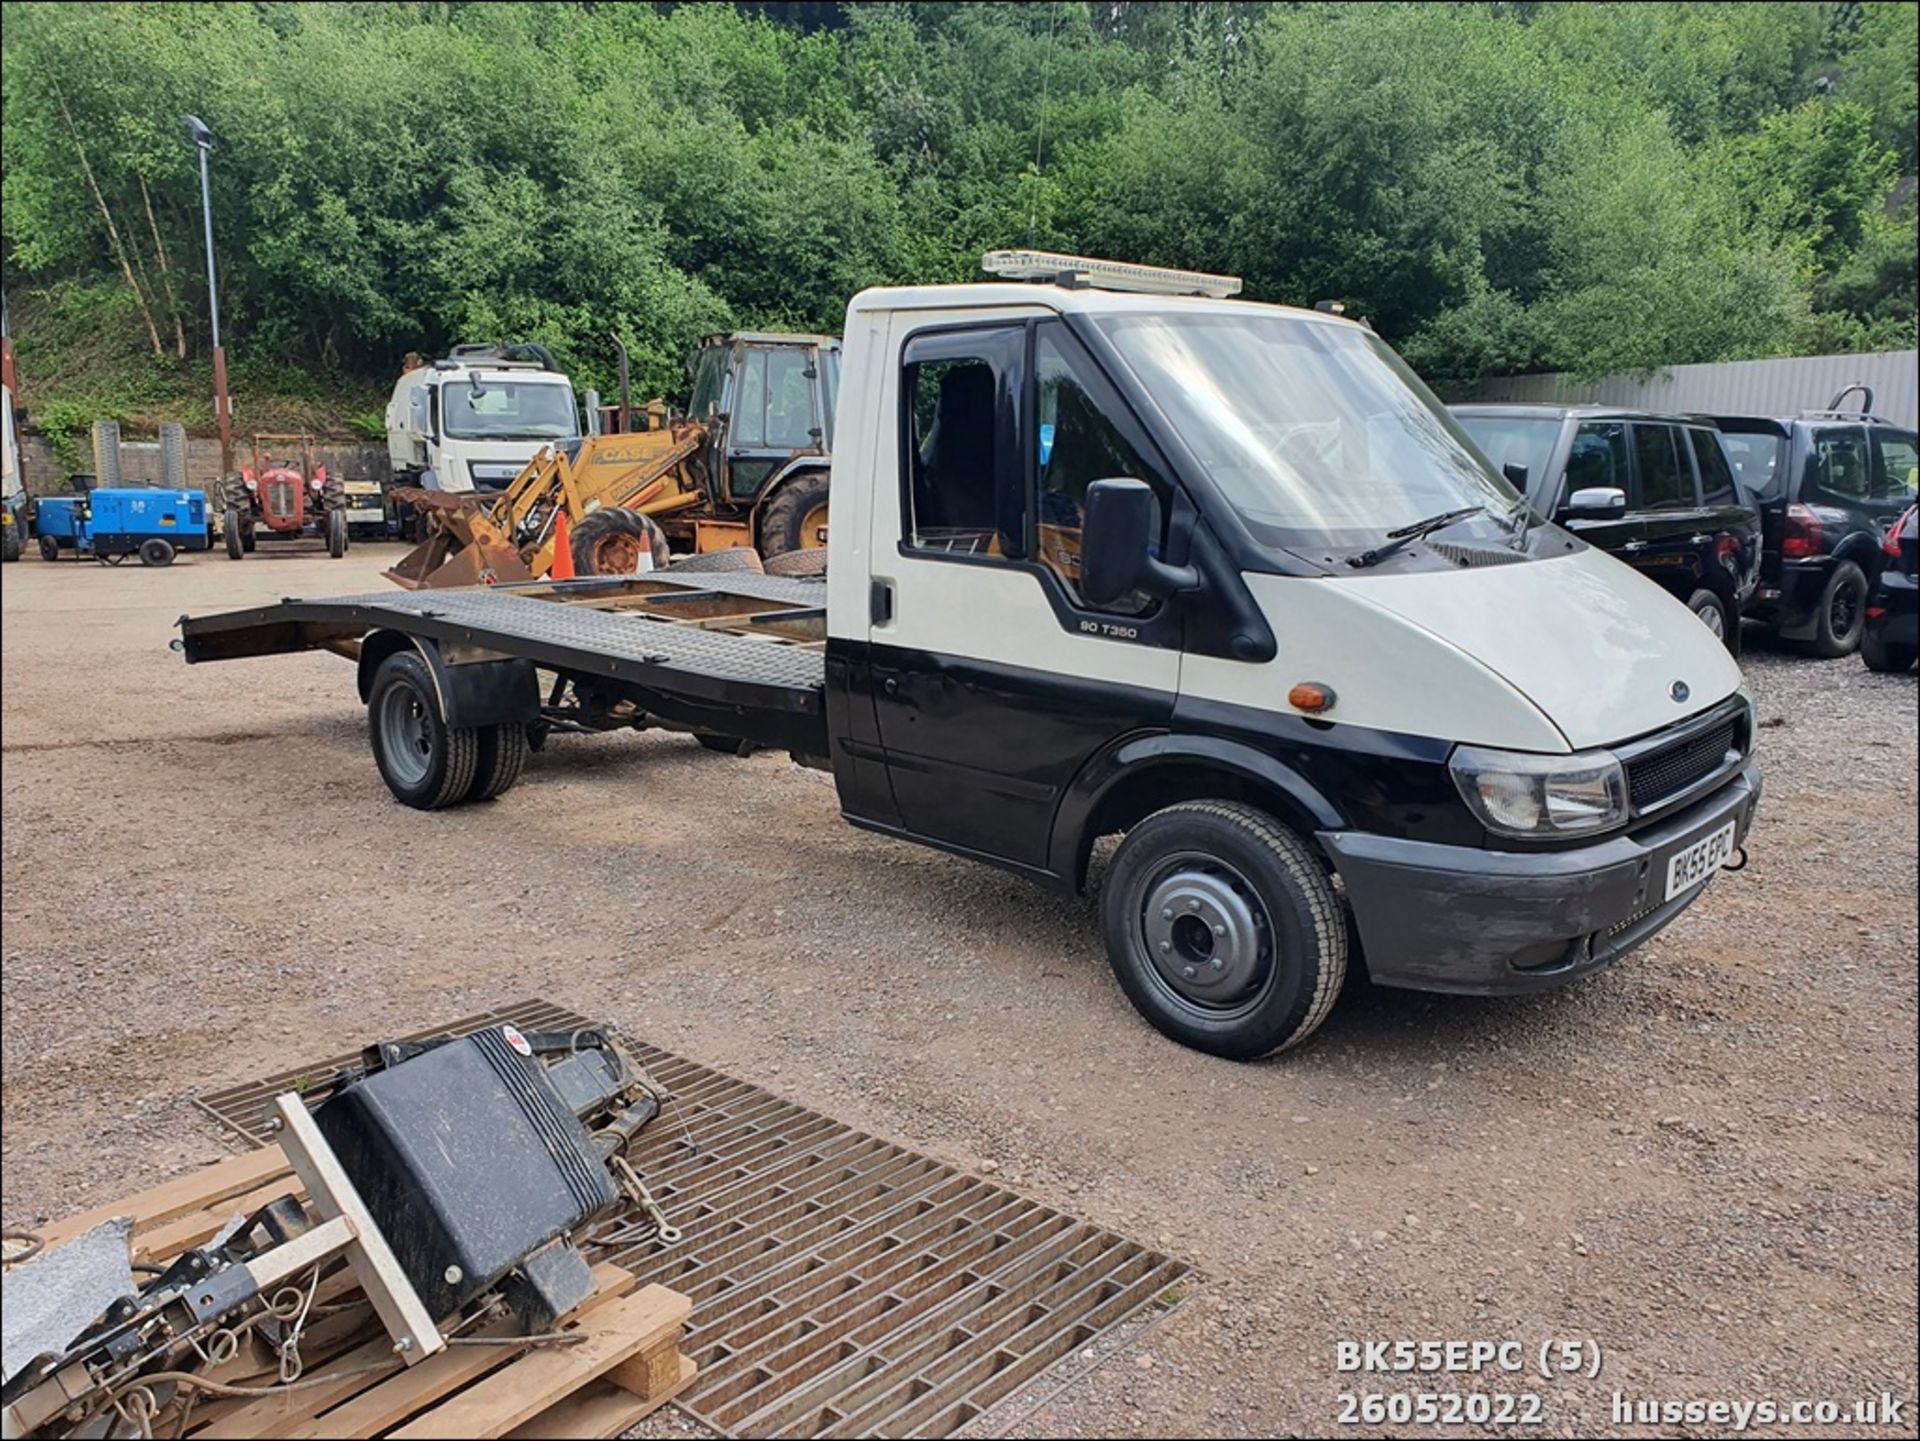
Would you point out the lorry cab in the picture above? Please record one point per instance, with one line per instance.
(472, 421)
(1116, 553)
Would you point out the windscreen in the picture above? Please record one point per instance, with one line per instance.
(1759, 462)
(508, 410)
(1318, 433)
(1525, 440)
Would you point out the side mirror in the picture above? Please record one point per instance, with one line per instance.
(419, 416)
(1516, 476)
(1115, 546)
(1597, 501)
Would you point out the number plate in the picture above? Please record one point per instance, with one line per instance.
(1688, 868)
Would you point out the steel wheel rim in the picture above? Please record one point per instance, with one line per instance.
(813, 528)
(407, 733)
(1209, 942)
(616, 554)
(1843, 612)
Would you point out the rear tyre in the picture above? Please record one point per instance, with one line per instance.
(1887, 659)
(1715, 615)
(796, 518)
(1842, 613)
(1223, 929)
(248, 540)
(49, 548)
(741, 560)
(156, 552)
(613, 540)
(336, 533)
(426, 763)
(502, 757)
(11, 546)
(236, 539)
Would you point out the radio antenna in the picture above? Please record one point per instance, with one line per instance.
(1040, 138)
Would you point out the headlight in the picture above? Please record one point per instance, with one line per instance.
(1528, 795)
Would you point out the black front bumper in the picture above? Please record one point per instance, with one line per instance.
(1453, 918)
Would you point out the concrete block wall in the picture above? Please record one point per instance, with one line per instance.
(140, 462)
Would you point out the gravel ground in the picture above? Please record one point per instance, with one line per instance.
(1702, 1158)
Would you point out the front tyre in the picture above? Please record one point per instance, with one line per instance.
(236, 536)
(336, 533)
(1843, 612)
(1223, 929)
(426, 763)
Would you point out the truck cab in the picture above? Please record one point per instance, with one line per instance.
(472, 421)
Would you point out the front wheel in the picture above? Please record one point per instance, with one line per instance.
(336, 533)
(426, 763)
(49, 548)
(615, 541)
(236, 542)
(1843, 612)
(1223, 929)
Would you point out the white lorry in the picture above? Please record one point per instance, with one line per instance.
(1115, 555)
(472, 421)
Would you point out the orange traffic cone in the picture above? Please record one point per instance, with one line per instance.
(561, 567)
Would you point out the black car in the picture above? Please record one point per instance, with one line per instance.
(1829, 484)
(1655, 490)
(1890, 641)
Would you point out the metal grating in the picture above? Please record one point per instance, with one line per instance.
(841, 1285)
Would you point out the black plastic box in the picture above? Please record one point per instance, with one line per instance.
(468, 1160)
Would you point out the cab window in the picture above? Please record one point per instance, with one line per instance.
(1083, 433)
(1666, 478)
(964, 487)
(1716, 476)
(1897, 468)
(1597, 457)
(1840, 465)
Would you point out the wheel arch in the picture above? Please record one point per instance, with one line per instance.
(1140, 774)
(1863, 550)
(473, 693)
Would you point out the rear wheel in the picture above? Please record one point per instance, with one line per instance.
(426, 763)
(156, 552)
(1223, 929)
(12, 545)
(1717, 617)
(1887, 659)
(502, 757)
(796, 518)
(614, 541)
(336, 533)
(236, 541)
(1842, 612)
(49, 548)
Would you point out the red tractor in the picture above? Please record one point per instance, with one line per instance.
(286, 497)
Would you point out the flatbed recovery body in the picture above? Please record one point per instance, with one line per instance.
(735, 655)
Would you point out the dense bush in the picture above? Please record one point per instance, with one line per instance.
(1498, 187)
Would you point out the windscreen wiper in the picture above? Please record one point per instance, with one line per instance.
(1408, 534)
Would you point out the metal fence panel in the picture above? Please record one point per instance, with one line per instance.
(1736, 387)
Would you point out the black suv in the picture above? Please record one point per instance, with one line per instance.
(1829, 484)
(1655, 490)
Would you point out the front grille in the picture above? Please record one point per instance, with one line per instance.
(1654, 777)
(280, 498)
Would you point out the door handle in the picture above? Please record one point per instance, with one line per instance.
(890, 686)
(1634, 545)
(880, 602)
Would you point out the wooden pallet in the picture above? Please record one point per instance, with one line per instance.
(628, 1364)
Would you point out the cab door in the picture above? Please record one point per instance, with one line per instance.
(773, 412)
(1675, 544)
(1598, 457)
(993, 680)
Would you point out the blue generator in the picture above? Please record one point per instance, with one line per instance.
(111, 525)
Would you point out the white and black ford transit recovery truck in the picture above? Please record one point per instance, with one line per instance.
(1113, 554)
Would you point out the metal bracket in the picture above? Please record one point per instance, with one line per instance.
(332, 1192)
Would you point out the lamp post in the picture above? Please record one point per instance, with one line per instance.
(222, 406)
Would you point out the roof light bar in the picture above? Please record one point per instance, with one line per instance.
(1106, 274)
